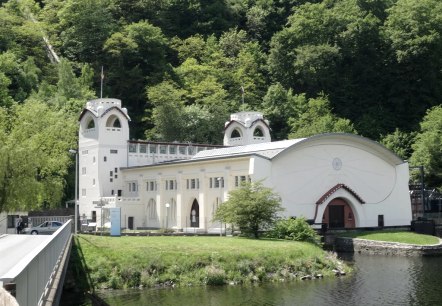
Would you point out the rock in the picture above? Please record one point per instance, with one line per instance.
(306, 277)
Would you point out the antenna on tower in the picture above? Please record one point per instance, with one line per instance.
(102, 78)
(242, 95)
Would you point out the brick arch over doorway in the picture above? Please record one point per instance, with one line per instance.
(339, 214)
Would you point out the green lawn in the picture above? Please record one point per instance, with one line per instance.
(125, 262)
(395, 236)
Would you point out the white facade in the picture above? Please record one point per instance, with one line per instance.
(340, 179)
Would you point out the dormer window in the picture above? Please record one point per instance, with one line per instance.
(258, 132)
(113, 121)
(90, 124)
(235, 134)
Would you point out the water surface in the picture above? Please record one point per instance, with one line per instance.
(377, 280)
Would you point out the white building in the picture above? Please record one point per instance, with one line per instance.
(343, 180)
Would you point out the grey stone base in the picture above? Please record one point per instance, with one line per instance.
(363, 246)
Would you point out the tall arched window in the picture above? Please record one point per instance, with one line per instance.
(90, 123)
(152, 210)
(258, 132)
(113, 121)
(235, 134)
(172, 212)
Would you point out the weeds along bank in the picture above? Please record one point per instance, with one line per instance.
(133, 262)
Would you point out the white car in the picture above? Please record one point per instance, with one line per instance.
(47, 227)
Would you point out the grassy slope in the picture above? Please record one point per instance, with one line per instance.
(395, 236)
(122, 262)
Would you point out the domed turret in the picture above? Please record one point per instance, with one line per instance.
(246, 128)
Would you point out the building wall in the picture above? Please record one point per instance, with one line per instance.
(305, 173)
(102, 151)
(208, 197)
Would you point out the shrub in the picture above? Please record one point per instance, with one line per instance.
(215, 276)
(294, 229)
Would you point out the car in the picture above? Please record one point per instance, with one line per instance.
(47, 227)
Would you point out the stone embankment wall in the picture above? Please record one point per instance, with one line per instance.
(362, 246)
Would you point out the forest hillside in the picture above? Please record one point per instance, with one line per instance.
(370, 67)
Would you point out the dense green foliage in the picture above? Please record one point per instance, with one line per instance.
(395, 236)
(252, 208)
(128, 262)
(372, 67)
(296, 229)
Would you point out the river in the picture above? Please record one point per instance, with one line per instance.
(377, 280)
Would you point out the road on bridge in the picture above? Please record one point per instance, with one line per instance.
(14, 248)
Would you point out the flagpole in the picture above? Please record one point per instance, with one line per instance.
(101, 87)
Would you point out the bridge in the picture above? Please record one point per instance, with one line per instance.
(33, 266)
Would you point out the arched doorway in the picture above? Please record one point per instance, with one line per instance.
(338, 214)
(195, 214)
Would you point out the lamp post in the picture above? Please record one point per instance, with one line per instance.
(167, 215)
(76, 188)
(422, 174)
(219, 179)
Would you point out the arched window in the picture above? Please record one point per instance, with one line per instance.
(172, 214)
(90, 123)
(113, 121)
(235, 134)
(258, 132)
(152, 209)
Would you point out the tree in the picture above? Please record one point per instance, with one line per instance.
(428, 147)
(84, 27)
(167, 114)
(317, 119)
(252, 207)
(400, 143)
(34, 156)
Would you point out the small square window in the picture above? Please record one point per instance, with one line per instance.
(114, 151)
(116, 176)
(143, 148)
(111, 180)
(105, 158)
(152, 148)
(132, 147)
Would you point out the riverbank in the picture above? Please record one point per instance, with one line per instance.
(389, 243)
(143, 262)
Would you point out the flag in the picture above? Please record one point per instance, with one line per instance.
(102, 73)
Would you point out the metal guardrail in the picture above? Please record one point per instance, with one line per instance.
(35, 273)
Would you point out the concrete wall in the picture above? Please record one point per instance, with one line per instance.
(372, 247)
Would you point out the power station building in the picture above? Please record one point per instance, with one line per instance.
(343, 180)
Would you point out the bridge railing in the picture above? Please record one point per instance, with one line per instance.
(35, 273)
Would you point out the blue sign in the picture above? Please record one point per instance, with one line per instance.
(115, 214)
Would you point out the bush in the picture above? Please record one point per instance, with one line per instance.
(294, 229)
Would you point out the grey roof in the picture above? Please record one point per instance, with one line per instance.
(268, 149)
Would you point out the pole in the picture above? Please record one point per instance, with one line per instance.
(76, 189)
(102, 78)
(76, 194)
(421, 168)
(167, 215)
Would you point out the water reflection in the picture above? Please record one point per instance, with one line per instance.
(377, 280)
